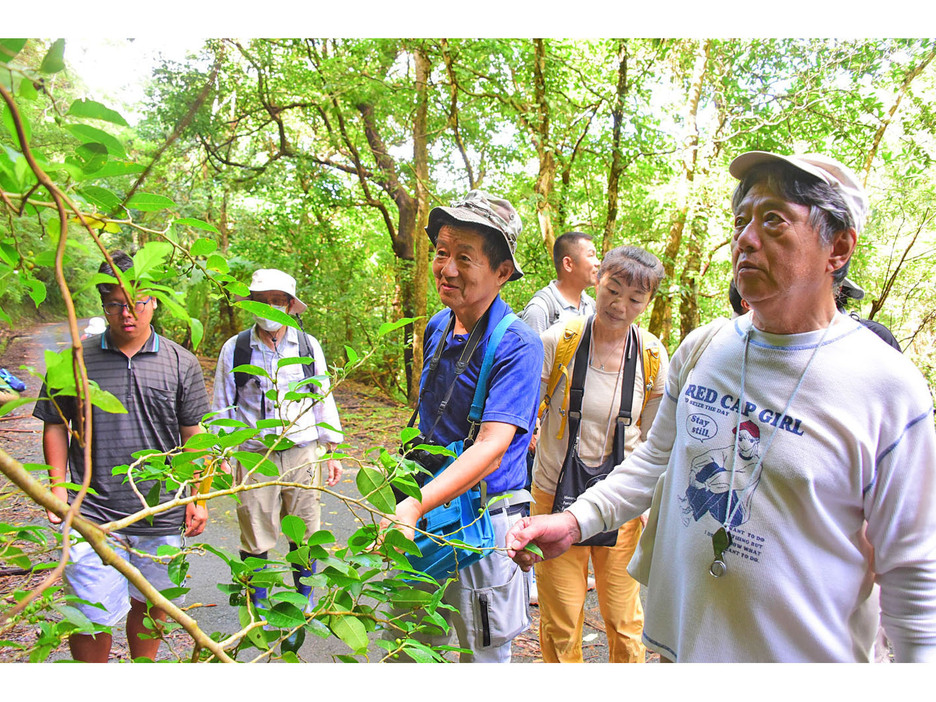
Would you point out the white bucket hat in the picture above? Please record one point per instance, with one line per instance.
(96, 325)
(267, 279)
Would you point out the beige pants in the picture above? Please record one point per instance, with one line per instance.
(262, 510)
(562, 585)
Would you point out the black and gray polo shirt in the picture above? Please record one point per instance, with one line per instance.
(162, 389)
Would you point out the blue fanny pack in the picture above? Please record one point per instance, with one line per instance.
(465, 521)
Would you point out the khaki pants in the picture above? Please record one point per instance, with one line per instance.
(562, 585)
(262, 510)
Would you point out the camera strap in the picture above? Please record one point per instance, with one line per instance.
(464, 359)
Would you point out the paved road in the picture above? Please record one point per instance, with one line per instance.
(221, 532)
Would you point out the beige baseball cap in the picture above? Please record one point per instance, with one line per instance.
(840, 177)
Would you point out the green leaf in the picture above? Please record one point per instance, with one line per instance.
(152, 496)
(201, 441)
(267, 312)
(37, 289)
(388, 327)
(407, 434)
(293, 528)
(27, 91)
(217, 262)
(147, 202)
(255, 461)
(350, 630)
(203, 247)
(255, 635)
(373, 486)
(106, 401)
(533, 548)
(91, 157)
(284, 615)
(322, 536)
(410, 598)
(54, 60)
(198, 224)
(250, 369)
(8, 407)
(117, 167)
(9, 48)
(99, 196)
(198, 331)
(87, 134)
(7, 119)
(75, 616)
(91, 109)
(151, 256)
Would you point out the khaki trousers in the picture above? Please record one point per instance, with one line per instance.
(562, 585)
(261, 511)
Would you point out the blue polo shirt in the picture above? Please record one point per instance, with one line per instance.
(513, 389)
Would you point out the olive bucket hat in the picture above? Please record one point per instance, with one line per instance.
(478, 208)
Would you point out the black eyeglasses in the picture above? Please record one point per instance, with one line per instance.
(113, 309)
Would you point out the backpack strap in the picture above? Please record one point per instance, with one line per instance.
(241, 358)
(565, 350)
(305, 351)
(480, 393)
(464, 359)
(651, 368)
(552, 308)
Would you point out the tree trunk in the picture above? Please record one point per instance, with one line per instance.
(421, 244)
(227, 315)
(546, 178)
(661, 323)
(617, 165)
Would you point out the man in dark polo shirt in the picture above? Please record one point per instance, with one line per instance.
(162, 388)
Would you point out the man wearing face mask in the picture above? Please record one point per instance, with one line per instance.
(311, 427)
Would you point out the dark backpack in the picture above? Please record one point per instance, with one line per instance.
(242, 358)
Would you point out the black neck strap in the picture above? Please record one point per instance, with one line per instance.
(464, 359)
(577, 388)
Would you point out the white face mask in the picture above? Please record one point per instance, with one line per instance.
(269, 325)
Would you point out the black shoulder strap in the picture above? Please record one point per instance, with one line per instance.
(305, 351)
(463, 360)
(577, 388)
(241, 357)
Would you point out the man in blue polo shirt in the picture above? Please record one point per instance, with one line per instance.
(475, 240)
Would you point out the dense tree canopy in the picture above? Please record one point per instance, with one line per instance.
(323, 157)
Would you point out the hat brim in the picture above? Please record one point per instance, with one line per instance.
(439, 215)
(743, 164)
(298, 305)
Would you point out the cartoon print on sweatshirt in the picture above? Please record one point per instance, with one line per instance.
(711, 483)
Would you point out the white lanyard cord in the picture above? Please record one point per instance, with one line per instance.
(729, 512)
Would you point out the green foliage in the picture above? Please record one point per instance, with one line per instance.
(298, 154)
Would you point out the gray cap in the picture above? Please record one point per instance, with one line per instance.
(481, 209)
(842, 179)
(850, 289)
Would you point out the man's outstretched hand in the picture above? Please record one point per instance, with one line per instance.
(552, 534)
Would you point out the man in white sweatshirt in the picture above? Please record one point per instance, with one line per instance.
(845, 494)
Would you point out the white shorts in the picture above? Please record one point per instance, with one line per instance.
(88, 578)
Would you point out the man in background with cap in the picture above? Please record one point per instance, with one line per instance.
(851, 291)
(475, 240)
(312, 426)
(846, 458)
